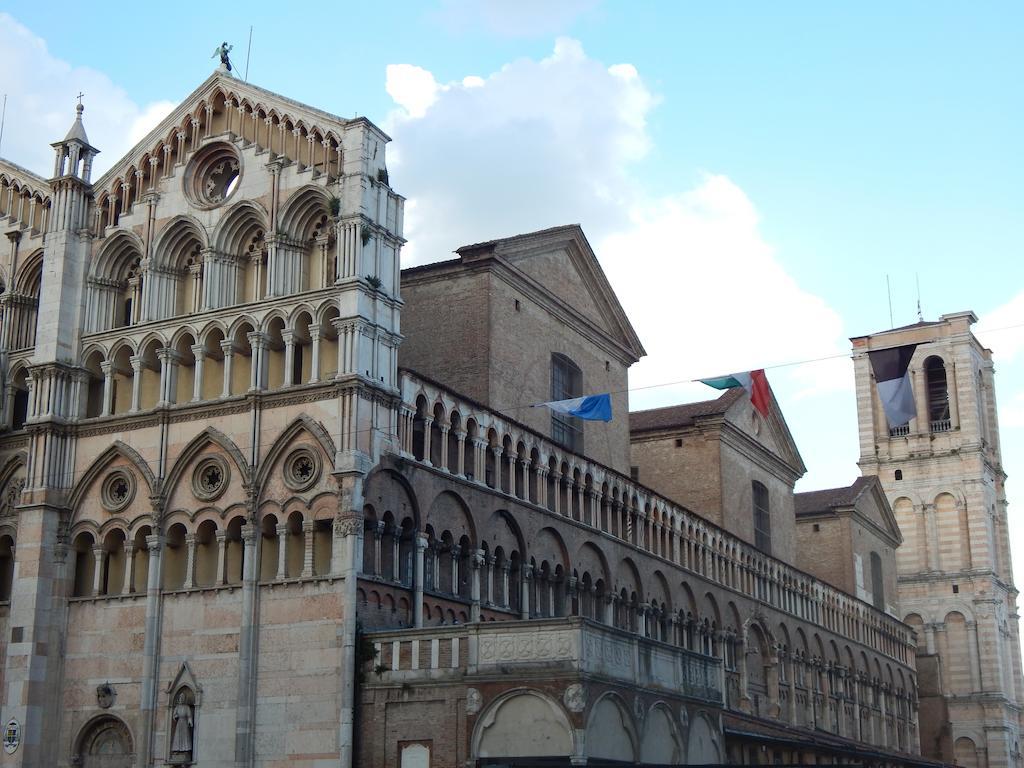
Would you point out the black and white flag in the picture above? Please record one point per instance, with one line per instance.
(893, 379)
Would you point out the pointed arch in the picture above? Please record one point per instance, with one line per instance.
(29, 277)
(117, 450)
(302, 211)
(171, 246)
(117, 255)
(209, 436)
(239, 224)
(303, 423)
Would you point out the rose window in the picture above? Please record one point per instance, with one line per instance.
(118, 490)
(210, 478)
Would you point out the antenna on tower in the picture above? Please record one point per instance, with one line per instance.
(888, 291)
(248, 50)
(3, 119)
(917, 279)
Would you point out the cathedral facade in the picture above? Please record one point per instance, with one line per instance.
(267, 500)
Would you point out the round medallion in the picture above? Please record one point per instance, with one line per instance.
(301, 469)
(213, 175)
(117, 491)
(210, 478)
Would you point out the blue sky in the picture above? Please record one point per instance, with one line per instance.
(748, 173)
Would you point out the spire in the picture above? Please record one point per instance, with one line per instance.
(75, 154)
(77, 132)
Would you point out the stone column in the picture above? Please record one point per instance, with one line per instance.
(190, 561)
(257, 368)
(442, 454)
(197, 380)
(378, 536)
(228, 348)
(97, 574)
(289, 356)
(248, 631)
(456, 553)
(128, 586)
(308, 529)
(428, 422)
(136, 361)
(460, 447)
(222, 565)
(476, 561)
(314, 363)
(108, 387)
(148, 688)
(169, 360)
(420, 542)
(506, 568)
(524, 598)
(282, 551)
(542, 486)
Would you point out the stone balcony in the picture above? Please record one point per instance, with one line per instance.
(564, 647)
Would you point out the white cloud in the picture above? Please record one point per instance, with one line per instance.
(542, 143)
(1001, 329)
(41, 104)
(513, 18)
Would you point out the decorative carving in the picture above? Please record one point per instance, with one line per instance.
(105, 696)
(526, 646)
(12, 496)
(118, 490)
(210, 478)
(474, 701)
(301, 469)
(639, 710)
(348, 526)
(575, 698)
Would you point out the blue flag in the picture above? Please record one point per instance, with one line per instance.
(589, 408)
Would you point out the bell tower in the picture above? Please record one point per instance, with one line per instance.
(943, 475)
(35, 653)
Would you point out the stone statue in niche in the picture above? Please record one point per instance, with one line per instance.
(182, 727)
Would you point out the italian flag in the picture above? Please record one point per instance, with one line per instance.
(755, 382)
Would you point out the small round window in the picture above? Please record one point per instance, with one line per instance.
(301, 469)
(210, 478)
(118, 490)
(213, 175)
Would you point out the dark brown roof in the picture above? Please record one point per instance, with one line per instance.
(820, 501)
(682, 415)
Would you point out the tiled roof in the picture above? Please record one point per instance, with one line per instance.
(820, 501)
(682, 415)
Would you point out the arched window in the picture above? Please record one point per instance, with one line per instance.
(762, 518)
(938, 394)
(877, 582)
(566, 383)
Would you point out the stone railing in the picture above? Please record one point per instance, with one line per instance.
(569, 645)
(528, 467)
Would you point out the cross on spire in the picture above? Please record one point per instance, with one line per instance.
(80, 95)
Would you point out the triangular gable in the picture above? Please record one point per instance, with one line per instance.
(561, 263)
(873, 506)
(771, 432)
(221, 83)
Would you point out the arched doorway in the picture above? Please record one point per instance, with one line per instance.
(105, 743)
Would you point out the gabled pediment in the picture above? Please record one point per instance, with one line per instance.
(226, 106)
(560, 264)
(771, 432)
(873, 506)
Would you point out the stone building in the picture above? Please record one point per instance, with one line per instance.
(249, 518)
(943, 475)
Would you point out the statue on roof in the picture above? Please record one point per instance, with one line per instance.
(223, 50)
